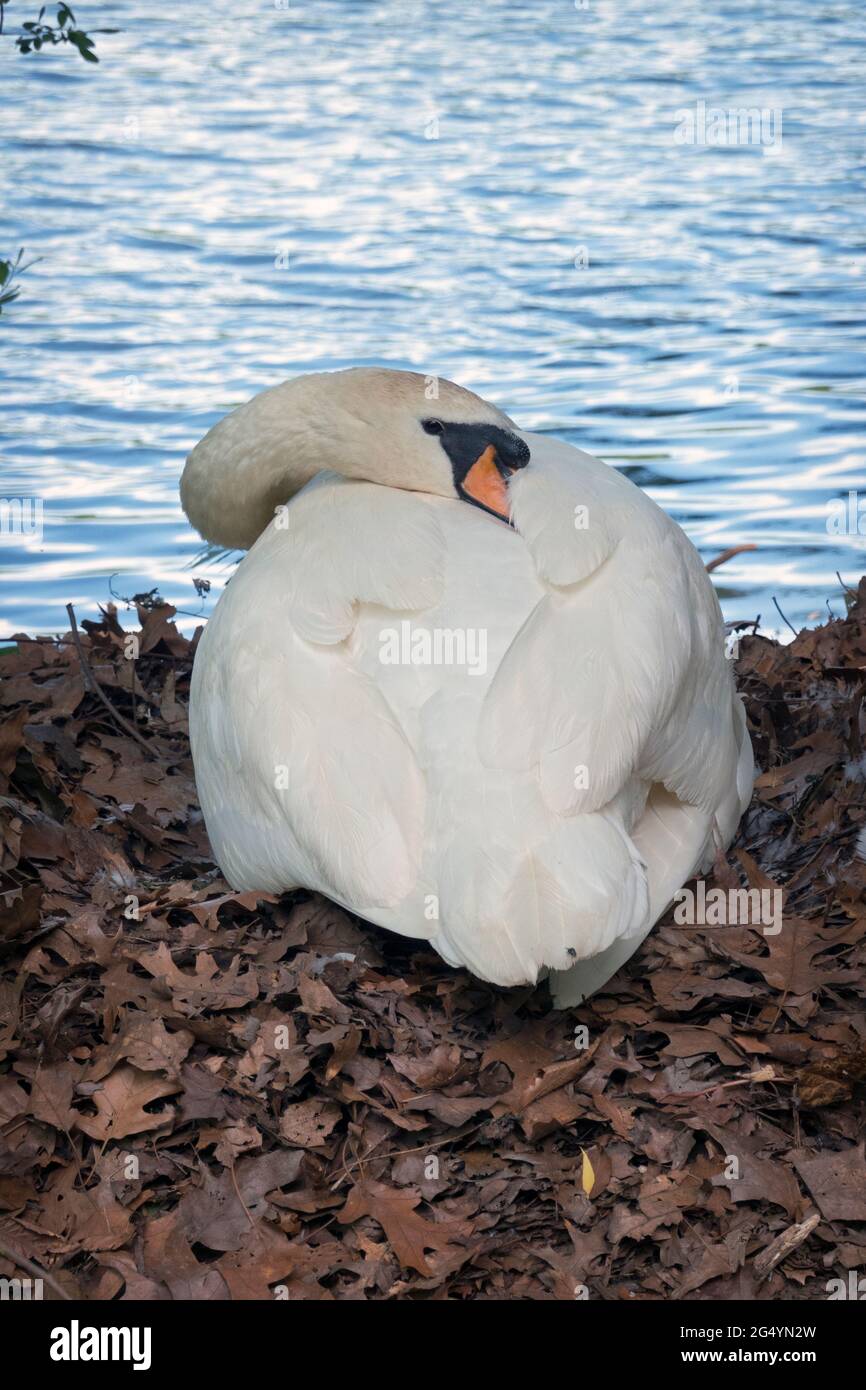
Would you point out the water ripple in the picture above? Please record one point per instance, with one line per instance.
(495, 193)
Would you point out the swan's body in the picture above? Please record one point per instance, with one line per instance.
(537, 805)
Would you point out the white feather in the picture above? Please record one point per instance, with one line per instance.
(535, 814)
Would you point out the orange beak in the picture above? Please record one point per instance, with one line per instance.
(485, 484)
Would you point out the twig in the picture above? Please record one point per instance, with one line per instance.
(397, 1153)
(782, 1002)
(148, 608)
(34, 1270)
(40, 641)
(782, 616)
(62, 642)
(132, 694)
(727, 555)
(240, 1198)
(762, 1074)
(92, 685)
(776, 1251)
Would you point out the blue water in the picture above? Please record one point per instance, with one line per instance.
(496, 192)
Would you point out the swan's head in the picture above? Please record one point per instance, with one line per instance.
(399, 429)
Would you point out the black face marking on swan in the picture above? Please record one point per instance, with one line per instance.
(482, 458)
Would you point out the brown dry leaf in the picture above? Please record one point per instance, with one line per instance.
(270, 1259)
(320, 1001)
(225, 1207)
(233, 1095)
(51, 1090)
(147, 1045)
(208, 987)
(167, 1259)
(93, 1219)
(308, 1124)
(837, 1181)
(753, 1176)
(409, 1234)
(345, 1048)
(688, 1041)
(120, 1100)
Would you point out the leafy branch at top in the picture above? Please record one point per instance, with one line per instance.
(35, 34)
(8, 272)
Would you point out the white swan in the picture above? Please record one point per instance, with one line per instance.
(516, 741)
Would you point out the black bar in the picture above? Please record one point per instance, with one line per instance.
(257, 1338)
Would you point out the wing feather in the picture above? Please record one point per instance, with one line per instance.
(619, 671)
(304, 771)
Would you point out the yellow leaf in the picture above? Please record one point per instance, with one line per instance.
(587, 1178)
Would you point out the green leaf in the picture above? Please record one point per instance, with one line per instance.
(84, 44)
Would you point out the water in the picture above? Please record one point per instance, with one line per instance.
(495, 192)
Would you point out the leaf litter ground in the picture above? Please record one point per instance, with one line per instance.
(214, 1095)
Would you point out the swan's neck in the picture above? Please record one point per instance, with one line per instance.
(248, 465)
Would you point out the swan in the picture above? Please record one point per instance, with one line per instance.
(469, 682)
